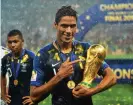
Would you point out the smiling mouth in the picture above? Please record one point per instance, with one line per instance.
(68, 38)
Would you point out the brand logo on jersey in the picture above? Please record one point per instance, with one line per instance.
(53, 65)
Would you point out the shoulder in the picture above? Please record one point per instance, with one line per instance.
(5, 57)
(85, 45)
(46, 49)
(30, 53)
(43, 53)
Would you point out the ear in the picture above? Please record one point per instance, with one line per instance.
(55, 25)
(23, 42)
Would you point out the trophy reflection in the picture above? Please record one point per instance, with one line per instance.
(95, 56)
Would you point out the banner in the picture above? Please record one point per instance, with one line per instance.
(110, 11)
(123, 69)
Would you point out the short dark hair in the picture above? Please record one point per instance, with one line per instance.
(65, 11)
(14, 33)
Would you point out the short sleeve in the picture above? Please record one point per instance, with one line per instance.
(102, 68)
(37, 78)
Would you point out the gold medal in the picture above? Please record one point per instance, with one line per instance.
(71, 84)
(15, 82)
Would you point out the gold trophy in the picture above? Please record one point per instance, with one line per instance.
(95, 56)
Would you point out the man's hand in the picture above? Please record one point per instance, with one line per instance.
(81, 91)
(6, 98)
(66, 68)
(27, 100)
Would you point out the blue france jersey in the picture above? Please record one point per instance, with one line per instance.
(24, 76)
(46, 64)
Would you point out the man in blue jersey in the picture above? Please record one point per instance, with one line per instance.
(19, 65)
(58, 69)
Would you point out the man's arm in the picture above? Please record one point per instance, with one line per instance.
(109, 79)
(4, 95)
(64, 71)
(38, 91)
(3, 86)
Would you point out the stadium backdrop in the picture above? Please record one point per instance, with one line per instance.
(110, 12)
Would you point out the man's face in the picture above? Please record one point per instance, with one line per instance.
(66, 29)
(15, 43)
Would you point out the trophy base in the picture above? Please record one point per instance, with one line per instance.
(85, 84)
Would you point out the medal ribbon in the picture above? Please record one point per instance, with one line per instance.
(16, 72)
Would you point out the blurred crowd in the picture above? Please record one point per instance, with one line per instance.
(116, 37)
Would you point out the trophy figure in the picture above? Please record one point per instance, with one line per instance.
(95, 56)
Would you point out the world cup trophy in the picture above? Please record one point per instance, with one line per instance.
(95, 56)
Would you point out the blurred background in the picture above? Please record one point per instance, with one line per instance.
(35, 18)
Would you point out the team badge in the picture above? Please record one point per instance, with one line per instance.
(25, 57)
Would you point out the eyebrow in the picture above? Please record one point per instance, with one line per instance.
(71, 25)
(11, 41)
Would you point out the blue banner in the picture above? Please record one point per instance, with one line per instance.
(123, 69)
(110, 11)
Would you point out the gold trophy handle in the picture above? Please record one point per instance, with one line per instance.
(95, 56)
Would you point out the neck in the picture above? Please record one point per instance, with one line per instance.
(64, 47)
(17, 54)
